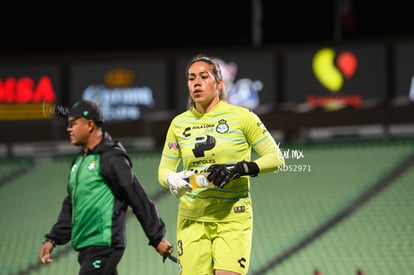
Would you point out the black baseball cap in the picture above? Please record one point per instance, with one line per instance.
(87, 109)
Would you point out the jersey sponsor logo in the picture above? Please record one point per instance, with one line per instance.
(187, 130)
(173, 145)
(203, 144)
(262, 127)
(204, 161)
(222, 127)
(239, 209)
(204, 126)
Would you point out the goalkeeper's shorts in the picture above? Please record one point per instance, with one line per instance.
(203, 247)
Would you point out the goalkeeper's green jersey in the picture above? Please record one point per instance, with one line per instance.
(225, 135)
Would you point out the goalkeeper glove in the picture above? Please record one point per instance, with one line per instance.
(221, 174)
(178, 184)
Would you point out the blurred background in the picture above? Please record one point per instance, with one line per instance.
(35, 28)
(333, 81)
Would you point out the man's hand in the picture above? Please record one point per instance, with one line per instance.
(221, 174)
(45, 252)
(165, 248)
(178, 185)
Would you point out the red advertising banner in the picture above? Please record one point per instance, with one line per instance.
(28, 92)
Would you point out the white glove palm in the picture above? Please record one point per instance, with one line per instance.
(178, 185)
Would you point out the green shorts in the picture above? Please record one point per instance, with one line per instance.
(203, 247)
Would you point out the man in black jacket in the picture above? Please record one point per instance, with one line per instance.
(101, 187)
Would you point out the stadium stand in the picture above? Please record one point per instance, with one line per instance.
(325, 217)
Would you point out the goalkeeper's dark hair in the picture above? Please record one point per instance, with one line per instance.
(216, 72)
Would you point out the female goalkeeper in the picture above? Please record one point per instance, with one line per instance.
(212, 142)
